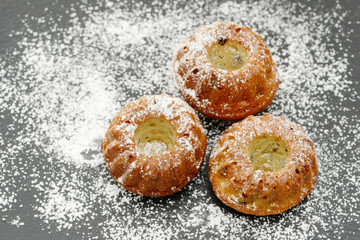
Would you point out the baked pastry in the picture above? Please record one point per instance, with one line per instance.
(263, 165)
(154, 145)
(226, 71)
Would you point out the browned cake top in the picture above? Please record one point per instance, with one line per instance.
(226, 71)
(155, 145)
(242, 179)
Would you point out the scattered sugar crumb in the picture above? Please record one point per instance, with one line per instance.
(155, 148)
(61, 86)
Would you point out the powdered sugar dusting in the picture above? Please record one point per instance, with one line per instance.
(61, 86)
(155, 148)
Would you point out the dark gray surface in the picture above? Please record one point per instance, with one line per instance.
(11, 15)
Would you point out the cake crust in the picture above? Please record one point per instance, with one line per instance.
(222, 94)
(154, 175)
(237, 184)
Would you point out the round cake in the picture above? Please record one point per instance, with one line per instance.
(226, 71)
(263, 165)
(155, 145)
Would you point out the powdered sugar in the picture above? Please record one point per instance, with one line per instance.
(60, 88)
(155, 148)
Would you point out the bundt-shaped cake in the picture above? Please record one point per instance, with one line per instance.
(263, 165)
(155, 145)
(226, 71)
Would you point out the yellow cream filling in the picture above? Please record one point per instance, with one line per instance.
(155, 136)
(227, 55)
(268, 154)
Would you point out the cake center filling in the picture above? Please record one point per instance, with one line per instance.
(155, 136)
(268, 153)
(227, 54)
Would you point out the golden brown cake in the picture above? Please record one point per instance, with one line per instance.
(155, 145)
(226, 71)
(263, 165)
